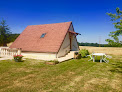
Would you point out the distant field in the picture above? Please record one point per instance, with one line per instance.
(107, 50)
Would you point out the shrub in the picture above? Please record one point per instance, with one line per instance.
(84, 53)
(18, 58)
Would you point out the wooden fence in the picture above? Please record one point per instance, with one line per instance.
(6, 51)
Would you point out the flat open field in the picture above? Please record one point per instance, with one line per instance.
(108, 50)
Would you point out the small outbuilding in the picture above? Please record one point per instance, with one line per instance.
(47, 41)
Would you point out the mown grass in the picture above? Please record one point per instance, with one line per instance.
(70, 76)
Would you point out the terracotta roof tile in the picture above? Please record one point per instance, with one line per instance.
(29, 39)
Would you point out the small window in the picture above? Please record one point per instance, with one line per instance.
(42, 36)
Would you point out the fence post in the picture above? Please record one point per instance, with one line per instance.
(19, 51)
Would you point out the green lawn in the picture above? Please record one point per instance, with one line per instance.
(70, 76)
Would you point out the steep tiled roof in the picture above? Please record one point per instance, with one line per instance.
(29, 39)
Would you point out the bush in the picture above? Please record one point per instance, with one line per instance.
(84, 53)
(18, 58)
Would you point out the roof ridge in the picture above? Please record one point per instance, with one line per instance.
(51, 23)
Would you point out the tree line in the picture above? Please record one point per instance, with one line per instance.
(90, 44)
(96, 44)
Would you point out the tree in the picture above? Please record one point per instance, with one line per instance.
(12, 37)
(118, 25)
(4, 33)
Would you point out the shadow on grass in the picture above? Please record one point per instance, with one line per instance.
(99, 61)
(19, 61)
(117, 67)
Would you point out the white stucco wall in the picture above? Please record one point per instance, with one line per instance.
(74, 46)
(65, 48)
(71, 28)
(41, 56)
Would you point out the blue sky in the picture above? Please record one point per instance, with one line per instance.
(88, 16)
